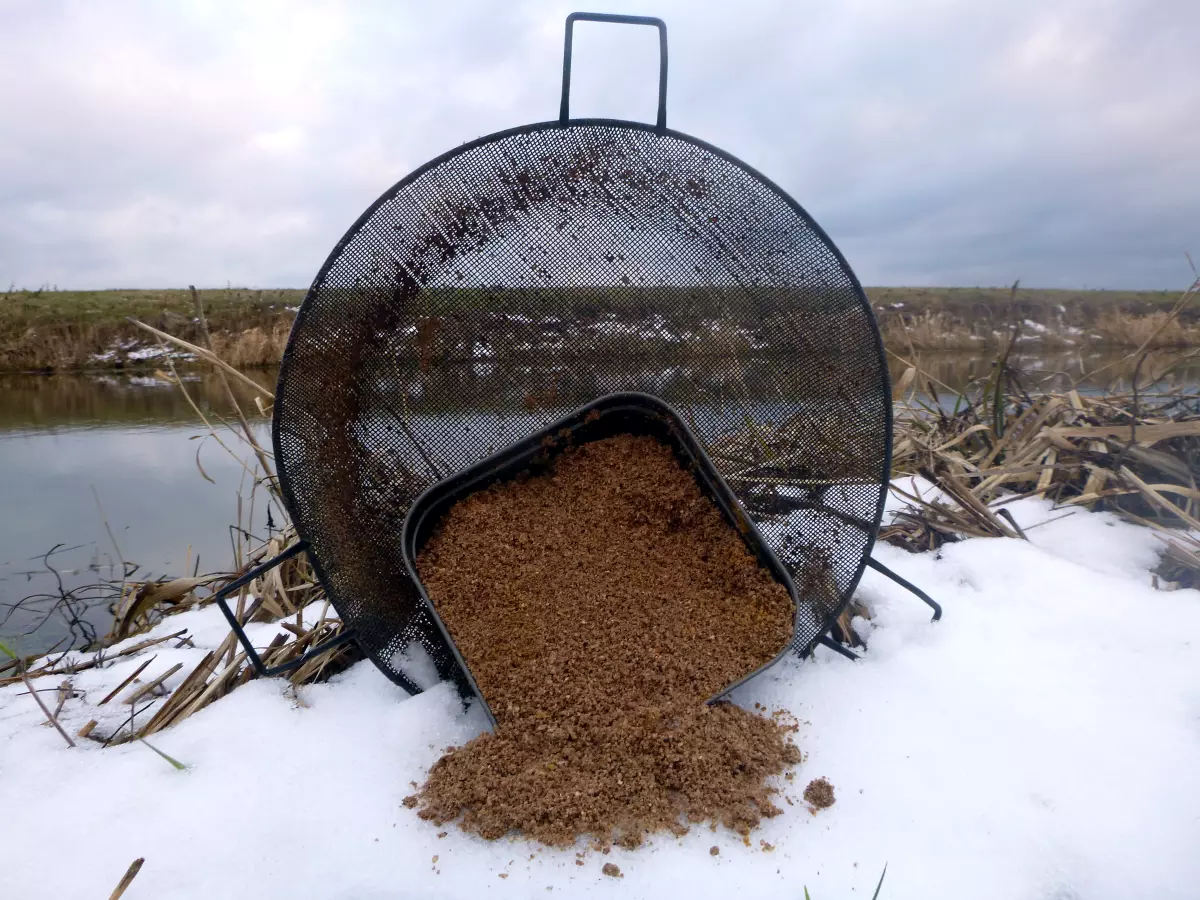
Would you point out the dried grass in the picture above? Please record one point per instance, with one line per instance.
(1114, 328)
(68, 330)
(75, 347)
(288, 595)
(254, 347)
(1037, 325)
(932, 331)
(1133, 450)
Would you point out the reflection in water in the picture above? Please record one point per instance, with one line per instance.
(136, 443)
(76, 401)
(136, 440)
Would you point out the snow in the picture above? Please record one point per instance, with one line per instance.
(1042, 741)
(134, 351)
(654, 327)
(147, 353)
(1036, 327)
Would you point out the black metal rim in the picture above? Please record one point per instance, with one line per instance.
(305, 306)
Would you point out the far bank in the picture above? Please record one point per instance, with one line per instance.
(54, 331)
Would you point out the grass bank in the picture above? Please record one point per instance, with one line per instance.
(954, 319)
(51, 331)
(45, 331)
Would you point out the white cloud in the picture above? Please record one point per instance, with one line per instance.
(281, 142)
(160, 144)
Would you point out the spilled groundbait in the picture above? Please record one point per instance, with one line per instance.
(599, 606)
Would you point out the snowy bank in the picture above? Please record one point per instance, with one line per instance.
(1042, 741)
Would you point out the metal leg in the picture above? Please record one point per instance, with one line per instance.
(907, 585)
(826, 641)
(231, 618)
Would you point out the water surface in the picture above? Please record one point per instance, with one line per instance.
(134, 441)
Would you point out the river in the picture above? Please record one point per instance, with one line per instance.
(132, 446)
(79, 453)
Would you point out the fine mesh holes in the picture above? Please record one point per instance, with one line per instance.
(520, 277)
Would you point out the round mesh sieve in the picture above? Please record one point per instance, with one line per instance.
(529, 272)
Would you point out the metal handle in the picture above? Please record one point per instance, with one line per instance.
(295, 550)
(564, 109)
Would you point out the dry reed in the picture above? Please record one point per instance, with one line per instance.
(288, 595)
(1133, 450)
(79, 330)
(1155, 330)
(1111, 329)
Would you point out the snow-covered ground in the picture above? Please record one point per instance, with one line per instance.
(1042, 742)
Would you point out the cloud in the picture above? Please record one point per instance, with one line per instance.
(937, 142)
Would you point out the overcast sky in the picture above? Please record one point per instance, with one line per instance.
(939, 142)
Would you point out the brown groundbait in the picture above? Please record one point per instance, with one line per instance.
(598, 607)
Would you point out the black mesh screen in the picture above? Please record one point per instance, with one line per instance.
(525, 274)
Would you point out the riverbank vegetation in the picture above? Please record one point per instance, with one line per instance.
(56, 331)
